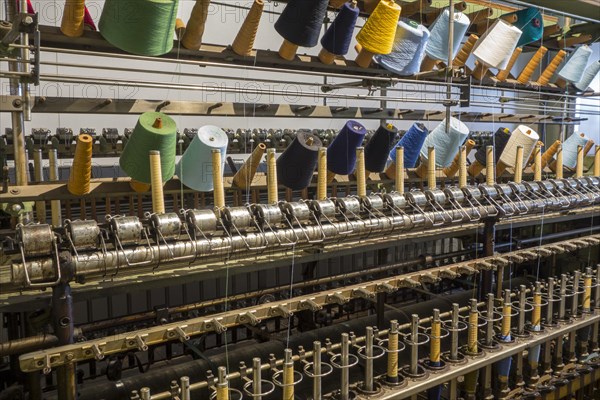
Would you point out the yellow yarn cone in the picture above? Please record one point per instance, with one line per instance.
(548, 73)
(192, 38)
(377, 34)
(72, 19)
(81, 171)
(243, 178)
(531, 66)
(244, 41)
(139, 187)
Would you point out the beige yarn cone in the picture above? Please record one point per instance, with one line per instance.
(192, 38)
(244, 41)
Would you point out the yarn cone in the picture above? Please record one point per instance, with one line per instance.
(243, 178)
(192, 38)
(377, 34)
(244, 41)
(81, 171)
(530, 22)
(341, 153)
(338, 36)
(73, 18)
(300, 25)
(378, 148)
(296, 165)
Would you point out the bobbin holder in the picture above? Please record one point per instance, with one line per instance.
(26, 23)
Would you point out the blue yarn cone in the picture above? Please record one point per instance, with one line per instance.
(412, 141)
(378, 148)
(337, 38)
(530, 22)
(503, 367)
(341, 153)
(296, 165)
(301, 20)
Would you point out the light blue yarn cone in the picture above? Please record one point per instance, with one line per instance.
(409, 49)
(588, 76)
(437, 46)
(574, 68)
(446, 144)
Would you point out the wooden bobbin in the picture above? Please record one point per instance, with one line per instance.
(597, 161)
(322, 174)
(475, 168)
(557, 165)
(219, 191)
(399, 169)
(519, 165)
(452, 169)
(549, 153)
(462, 170)
(326, 57)
(588, 146)
(480, 70)
(244, 40)
(537, 163)
(364, 58)
(489, 165)
(428, 64)
(179, 28)
(288, 50)
(500, 168)
(579, 166)
(551, 30)
(192, 38)
(361, 182)
(529, 69)
(532, 156)
(273, 187)
(431, 181)
(510, 18)
(53, 175)
(156, 182)
(573, 40)
(503, 75)
(330, 177)
(243, 178)
(480, 16)
(548, 73)
(465, 51)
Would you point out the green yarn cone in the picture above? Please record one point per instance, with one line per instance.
(143, 27)
(134, 159)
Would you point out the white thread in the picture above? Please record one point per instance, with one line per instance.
(497, 45)
(522, 136)
(437, 46)
(569, 149)
(409, 49)
(574, 68)
(588, 76)
(446, 144)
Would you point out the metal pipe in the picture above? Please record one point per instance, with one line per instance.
(522, 303)
(256, 378)
(563, 297)
(288, 375)
(550, 306)
(185, 388)
(317, 370)
(345, 373)
(575, 299)
(454, 333)
(414, 347)
(489, 327)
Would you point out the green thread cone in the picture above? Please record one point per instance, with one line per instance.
(146, 136)
(143, 27)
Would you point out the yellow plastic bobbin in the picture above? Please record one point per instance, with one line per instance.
(435, 339)
(465, 51)
(273, 187)
(536, 314)
(502, 75)
(392, 365)
(361, 181)
(73, 16)
(531, 66)
(506, 314)
(219, 191)
(548, 73)
(462, 170)
(549, 153)
(489, 165)
(537, 163)
(579, 166)
(597, 161)
(557, 165)
(322, 174)
(533, 153)
(288, 376)
(475, 168)
(243, 178)
(587, 293)
(473, 328)
(399, 172)
(192, 38)
(519, 165)
(451, 170)
(158, 199)
(81, 171)
(431, 181)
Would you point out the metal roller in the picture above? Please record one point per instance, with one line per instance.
(348, 205)
(505, 189)
(267, 213)
(324, 208)
(489, 191)
(203, 220)
(473, 192)
(395, 200)
(455, 194)
(240, 217)
(167, 225)
(84, 235)
(35, 239)
(127, 229)
(518, 188)
(296, 209)
(436, 195)
(416, 198)
(373, 202)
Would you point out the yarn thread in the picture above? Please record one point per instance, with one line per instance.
(530, 22)
(377, 34)
(412, 142)
(81, 170)
(446, 144)
(408, 49)
(574, 68)
(495, 47)
(301, 20)
(569, 149)
(244, 41)
(73, 18)
(195, 168)
(296, 165)
(143, 27)
(378, 148)
(341, 153)
(588, 76)
(192, 38)
(521, 136)
(437, 46)
(338, 36)
(154, 131)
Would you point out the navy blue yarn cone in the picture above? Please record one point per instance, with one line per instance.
(341, 153)
(301, 21)
(378, 148)
(500, 141)
(435, 393)
(412, 141)
(296, 165)
(530, 22)
(338, 36)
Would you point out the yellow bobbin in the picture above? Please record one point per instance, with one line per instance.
(465, 51)
(219, 191)
(579, 166)
(322, 174)
(548, 73)
(475, 168)
(158, 199)
(81, 171)
(537, 163)
(519, 165)
(471, 382)
(597, 161)
(73, 16)
(472, 334)
(557, 165)
(243, 178)
(434, 343)
(273, 187)
(480, 70)
(399, 173)
(532, 156)
(502, 75)
(361, 181)
(139, 187)
(452, 169)
(489, 165)
(549, 153)
(587, 292)
(192, 38)
(392, 365)
(244, 41)
(222, 393)
(179, 28)
(532, 65)
(506, 317)
(536, 315)
(288, 382)
(431, 181)
(462, 171)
